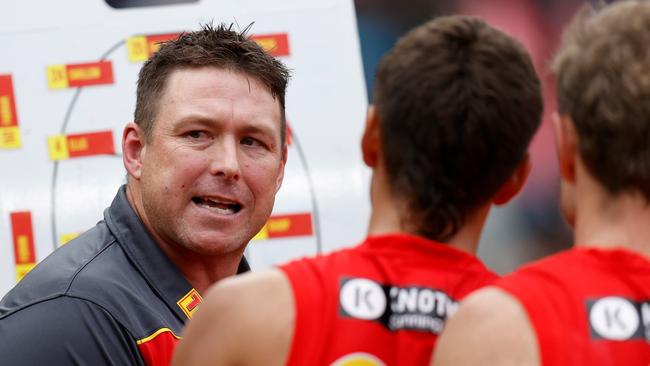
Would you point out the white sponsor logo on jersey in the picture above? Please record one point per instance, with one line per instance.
(363, 299)
(397, 308)
(614, 318)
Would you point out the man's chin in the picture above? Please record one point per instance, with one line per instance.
(217, 247)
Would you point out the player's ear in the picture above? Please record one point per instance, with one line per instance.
(566, 139)
(370, 140)
(133, 149)
(515, 183)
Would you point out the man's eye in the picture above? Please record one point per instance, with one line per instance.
(249, 141)
(195, 134)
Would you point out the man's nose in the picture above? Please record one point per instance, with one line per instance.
(224, 159)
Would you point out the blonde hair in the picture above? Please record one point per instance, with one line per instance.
(603, 84)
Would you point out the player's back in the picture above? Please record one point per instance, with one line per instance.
(382, 302)
(587, 306)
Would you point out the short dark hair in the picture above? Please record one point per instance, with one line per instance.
(458, 103)
(603, 84)
(217, 46)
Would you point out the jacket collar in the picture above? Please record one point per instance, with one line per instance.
(155, 267)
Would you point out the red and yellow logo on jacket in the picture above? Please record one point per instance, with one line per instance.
(190, 302)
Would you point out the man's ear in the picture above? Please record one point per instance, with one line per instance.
(514, 184)
(566, 138)
(370, 140)
(133, 149)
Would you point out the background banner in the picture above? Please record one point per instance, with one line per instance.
(68, 74)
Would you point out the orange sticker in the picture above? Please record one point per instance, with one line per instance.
(23, 238)
(275, 44)
(284, 226)
(190, 302)
(64, 147)
(79, 75)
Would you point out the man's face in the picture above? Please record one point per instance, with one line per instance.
(214, 161)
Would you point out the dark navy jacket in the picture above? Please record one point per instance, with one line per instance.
(109, 297)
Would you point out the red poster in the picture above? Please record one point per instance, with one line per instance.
(289, 225)
(92, 143)
(95, 73)
(8, 116)
(21, 227)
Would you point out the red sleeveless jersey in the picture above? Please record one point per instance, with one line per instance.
(383, 302)
(587, 306)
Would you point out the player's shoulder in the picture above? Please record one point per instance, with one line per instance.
(562, 260)
(490, 327)
(336, 257)
(246, 319)
(489, 304)
(308, 274)
(557, 273)
(249, 296)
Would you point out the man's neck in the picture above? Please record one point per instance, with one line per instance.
(202, 271)
(388, 216)
(606, 221)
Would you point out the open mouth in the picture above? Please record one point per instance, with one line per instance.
(222, 207)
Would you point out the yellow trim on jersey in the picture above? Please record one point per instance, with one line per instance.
(155, 334)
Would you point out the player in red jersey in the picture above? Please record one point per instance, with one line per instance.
(457, 103)
(589, 305)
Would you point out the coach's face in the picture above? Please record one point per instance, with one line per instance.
(214, 162)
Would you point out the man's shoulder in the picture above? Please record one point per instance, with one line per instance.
(65, 330)
(59, 272)
(96, 271)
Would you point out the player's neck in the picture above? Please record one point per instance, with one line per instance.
(388, 216)
(607, 221)
(469, 235)
(385, 215)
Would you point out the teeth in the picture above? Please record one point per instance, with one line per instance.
(220, 207)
